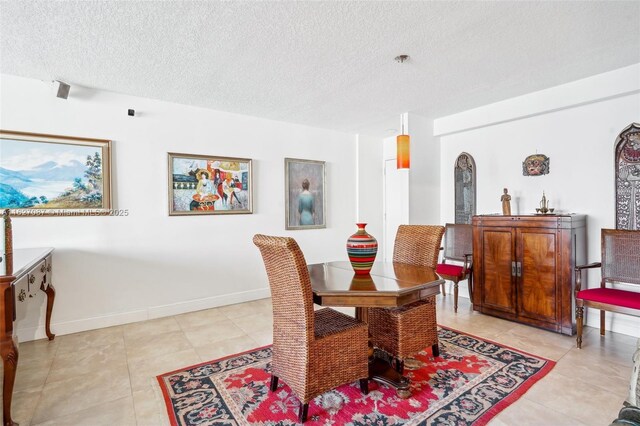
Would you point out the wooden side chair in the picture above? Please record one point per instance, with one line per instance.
(620, 263)
(408, 329)
(458, 246)
(313, 351)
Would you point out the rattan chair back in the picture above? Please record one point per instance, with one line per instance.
(418, 244)
(458, 241)
(291, 293)
(313, 351)
(621, 256)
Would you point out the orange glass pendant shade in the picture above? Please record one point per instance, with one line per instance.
(403, 152)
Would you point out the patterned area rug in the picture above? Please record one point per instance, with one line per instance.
(469, 383)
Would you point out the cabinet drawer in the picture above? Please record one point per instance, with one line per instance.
(36, 277)
(47, 277)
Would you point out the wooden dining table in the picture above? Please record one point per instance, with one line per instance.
(389, 284)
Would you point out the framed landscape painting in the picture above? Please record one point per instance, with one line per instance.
(50, 175)
(304, 194)
(201, 184)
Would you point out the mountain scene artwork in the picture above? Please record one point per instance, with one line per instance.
(41, 175)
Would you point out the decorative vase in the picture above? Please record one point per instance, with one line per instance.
(362, 249)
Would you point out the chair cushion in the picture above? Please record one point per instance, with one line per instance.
(611, 296)
(328, 321)
(451, 270)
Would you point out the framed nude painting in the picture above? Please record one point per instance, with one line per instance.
(51, 175)
(207, 185)
(305, 201)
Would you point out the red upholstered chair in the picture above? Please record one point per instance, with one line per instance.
(620, 264)
(458, 246)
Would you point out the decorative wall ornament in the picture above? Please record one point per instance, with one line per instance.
(464, 173)
(535, 165)
(201, 184)
(51, 175)
(627, 177)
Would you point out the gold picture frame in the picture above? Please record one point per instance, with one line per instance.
(53, 175)
(209, 185)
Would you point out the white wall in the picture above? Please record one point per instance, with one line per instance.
(579, 140)
(424, 175)
(112, 270)
(370, 187)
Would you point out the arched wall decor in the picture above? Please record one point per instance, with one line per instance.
(627, 170)
(464, 173)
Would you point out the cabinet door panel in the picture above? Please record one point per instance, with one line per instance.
(537, 287)
(498, 290)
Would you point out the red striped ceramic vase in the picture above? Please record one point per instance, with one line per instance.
(362, 249)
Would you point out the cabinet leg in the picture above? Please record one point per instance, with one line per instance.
(9, 352)
(51, 295)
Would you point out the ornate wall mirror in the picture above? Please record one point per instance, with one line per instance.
(464, 173)
(627, 169)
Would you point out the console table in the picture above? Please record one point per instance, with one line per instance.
(31, 273)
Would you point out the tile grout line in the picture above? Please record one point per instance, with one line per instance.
(55, 354)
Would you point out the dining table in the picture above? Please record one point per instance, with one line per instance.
(388, 284)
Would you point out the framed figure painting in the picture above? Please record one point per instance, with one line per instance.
(305, 201)
(50, 175)
(202, 184)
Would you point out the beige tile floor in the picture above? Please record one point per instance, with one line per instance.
(107, 376)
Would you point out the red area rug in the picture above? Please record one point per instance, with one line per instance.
(469, 383)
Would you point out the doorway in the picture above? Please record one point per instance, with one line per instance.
(396, 204)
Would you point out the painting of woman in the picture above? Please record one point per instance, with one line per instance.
(306, 209)
(304, 194)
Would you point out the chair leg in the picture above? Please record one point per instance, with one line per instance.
(444, 293)
(470, 281)
(602, 322)
(274, 383)
(435, 349)
(364, 386)
(579, 314)
(455, 296)
(302, 414)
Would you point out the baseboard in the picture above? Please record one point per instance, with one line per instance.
(26, 334)
(618, 323)
(463, 289)
(207, 303)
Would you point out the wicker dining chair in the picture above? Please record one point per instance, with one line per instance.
(458, 246)
(408, 329)
(313, 351)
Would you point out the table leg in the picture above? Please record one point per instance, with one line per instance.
(362, 314)
(380, 369)
(9, 353)
(51, 295)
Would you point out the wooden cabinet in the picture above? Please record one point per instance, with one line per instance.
(523, 268)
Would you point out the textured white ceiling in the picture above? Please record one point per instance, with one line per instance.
(324, 64)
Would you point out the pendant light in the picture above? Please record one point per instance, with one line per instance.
(403, 156)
